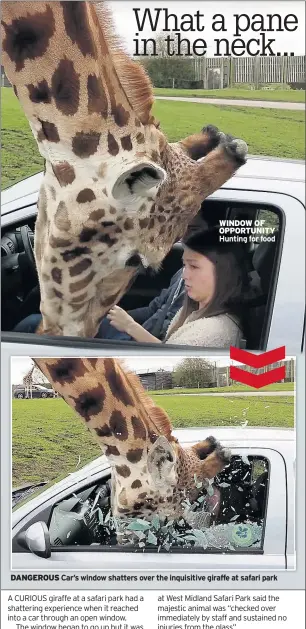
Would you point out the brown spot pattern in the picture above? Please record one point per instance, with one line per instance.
(61, 218)
(128, 224)
(113, 146)
(73, 253)
(105, 238)
(82, 284)
(123, 470)
(56, 275)
(140, 138)
(90, 403)
(121, 115)
(66, 370)
(39, 93)
(64, 173)
(96, 215)
(103, 431)
(78, 298)
(139, 429)
(86, 195)
(97, 101)
(48, 132)
(28, 37)
(118, 425)
(80, 267)
(144, 222)
(85, 144)
(53, 192)
(135, 484)
(112, 451)
(87, 234)
(116, 383)
(126, 143)
(133, 456)
(77, 26)
(65, 85)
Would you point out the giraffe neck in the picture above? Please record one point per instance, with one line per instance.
(111, 402)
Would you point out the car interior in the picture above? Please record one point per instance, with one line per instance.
(83, 518)
(21, 295)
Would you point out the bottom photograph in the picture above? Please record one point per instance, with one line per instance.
(124, 464)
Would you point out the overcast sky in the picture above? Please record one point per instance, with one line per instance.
(20, 365)
(126, 23)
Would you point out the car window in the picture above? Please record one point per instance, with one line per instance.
(228, 516)
(258, 229)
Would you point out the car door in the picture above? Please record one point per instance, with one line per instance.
(270, 555)
(287, 293)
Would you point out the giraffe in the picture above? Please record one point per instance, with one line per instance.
(151, 471)
(115, 194)
(27, 382)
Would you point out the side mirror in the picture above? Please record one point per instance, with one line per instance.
(36, 539)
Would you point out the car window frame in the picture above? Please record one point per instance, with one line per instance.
(224, 195)
(276, 463)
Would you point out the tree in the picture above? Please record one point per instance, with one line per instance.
(166, 70)
(194, 373)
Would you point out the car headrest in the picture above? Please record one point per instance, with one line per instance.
(263, 260)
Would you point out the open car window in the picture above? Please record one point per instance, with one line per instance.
(228, 516)
(263, 249)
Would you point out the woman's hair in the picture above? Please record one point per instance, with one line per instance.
(231, 277)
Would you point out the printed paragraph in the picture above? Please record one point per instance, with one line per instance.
(153, 610)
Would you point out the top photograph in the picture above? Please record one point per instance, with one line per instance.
(153, 176)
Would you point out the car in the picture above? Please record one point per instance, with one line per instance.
(65, 525)
(264, 189)
(38, 391)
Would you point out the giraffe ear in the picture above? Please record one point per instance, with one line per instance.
(138, 180)
(161, 458)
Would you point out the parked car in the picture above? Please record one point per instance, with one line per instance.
(38, 391)
(62, 527)
(264, 189)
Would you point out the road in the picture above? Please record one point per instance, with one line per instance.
(238, 103)
(240, 394)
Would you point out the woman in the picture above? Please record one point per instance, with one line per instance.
(215, 281)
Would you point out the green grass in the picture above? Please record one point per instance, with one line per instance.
(20, 157)
(49, 438)
(287, 96)
(274, 132)
(235, 388)
(267, 131)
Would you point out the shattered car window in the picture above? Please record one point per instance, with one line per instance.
(228, 515)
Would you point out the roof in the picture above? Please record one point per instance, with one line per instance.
(257, 167)
(281, 439)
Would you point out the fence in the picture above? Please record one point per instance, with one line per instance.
(253, 70)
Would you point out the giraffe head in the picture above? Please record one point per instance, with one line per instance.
(115, 194)
(151, 471)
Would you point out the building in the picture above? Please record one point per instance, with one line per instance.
(153, 380)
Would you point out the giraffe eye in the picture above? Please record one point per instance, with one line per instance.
(169, 457)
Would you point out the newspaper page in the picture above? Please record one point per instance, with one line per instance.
(153, 315)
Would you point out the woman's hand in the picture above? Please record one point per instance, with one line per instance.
(120, 319)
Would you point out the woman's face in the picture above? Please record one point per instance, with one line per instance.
(199, 276)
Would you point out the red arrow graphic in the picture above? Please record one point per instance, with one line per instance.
(258, 360)
(257, 380)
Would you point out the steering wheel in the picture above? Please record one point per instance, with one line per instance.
(28, 249)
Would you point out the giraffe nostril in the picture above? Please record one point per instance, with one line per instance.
(134, 261)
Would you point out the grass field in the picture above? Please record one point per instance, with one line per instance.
(48, 437)
(287, 96)
(272, 132)
(235, 388)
